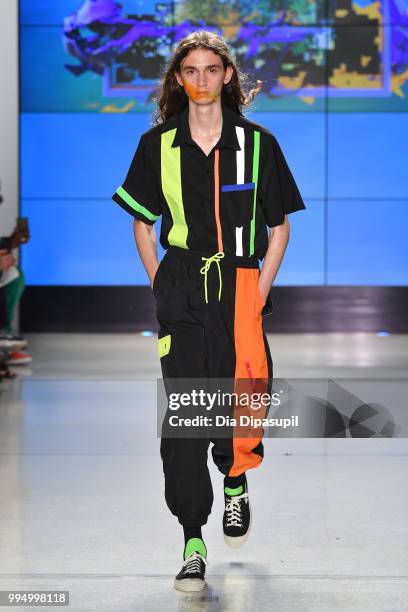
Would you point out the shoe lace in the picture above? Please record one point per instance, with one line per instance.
(192, 563)
(234, 510)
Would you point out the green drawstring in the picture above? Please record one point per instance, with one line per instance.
(206, 267)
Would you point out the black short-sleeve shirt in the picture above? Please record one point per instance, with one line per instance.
(222, 201)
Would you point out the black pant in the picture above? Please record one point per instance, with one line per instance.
(208, 337)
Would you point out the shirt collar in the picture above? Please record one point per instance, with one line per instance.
(228, 138)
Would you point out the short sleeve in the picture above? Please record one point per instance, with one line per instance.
(139, 194)
(278, 192)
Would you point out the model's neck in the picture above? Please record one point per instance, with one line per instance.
(205, 119)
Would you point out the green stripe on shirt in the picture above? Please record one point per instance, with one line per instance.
(135, 205)
(255, 173)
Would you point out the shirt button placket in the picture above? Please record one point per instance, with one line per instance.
(210, 183)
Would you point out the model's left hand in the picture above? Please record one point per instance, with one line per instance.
(264, 292)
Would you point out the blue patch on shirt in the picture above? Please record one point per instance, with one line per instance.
(238, 187)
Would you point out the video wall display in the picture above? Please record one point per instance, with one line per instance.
(334, 93)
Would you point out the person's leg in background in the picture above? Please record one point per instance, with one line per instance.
(5, 348)
(3, 319)
(13, 292)
(3, 310)
(12, 295)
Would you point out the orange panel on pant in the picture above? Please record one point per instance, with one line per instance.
(251, 369)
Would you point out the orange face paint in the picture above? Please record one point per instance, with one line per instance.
(196, 94)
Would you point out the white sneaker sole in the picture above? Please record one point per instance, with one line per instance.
(189, 584)
(13, 344)
(22, 361)
(21, 344)
(237, 541)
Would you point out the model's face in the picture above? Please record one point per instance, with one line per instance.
(202, 75)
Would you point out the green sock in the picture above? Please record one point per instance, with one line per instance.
(236, 491)
(195, 544)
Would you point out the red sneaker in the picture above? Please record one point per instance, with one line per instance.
(18, 358)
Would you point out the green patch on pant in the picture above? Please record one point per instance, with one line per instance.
(164, 345)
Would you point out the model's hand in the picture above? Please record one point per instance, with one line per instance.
(262, 296)
(19, 236)
(264, 292)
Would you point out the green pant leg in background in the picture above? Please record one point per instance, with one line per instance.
(13, 292)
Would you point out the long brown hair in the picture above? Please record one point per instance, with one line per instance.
(171, 98)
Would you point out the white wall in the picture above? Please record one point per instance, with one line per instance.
(9, 115)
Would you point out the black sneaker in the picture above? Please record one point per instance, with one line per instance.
(191, 575)
(236, 521)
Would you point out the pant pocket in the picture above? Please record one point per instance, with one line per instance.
(156, 277)
(164, 345)
(170, 292)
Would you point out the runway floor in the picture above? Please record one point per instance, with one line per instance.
(82, 504)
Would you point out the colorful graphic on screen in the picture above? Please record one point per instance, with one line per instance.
(112, 54)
